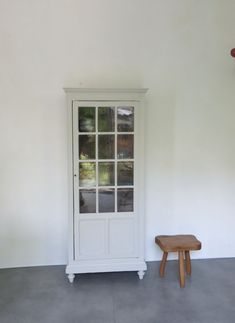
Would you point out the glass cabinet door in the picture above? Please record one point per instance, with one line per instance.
(105, 158)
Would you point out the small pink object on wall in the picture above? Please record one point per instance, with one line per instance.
(232, 52)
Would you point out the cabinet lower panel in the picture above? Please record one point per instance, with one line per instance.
(90, 239)
(105, 238)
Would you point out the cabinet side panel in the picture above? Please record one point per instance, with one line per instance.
(70, 178)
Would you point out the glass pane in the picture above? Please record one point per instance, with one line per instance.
(87, 174)
(86, 119)
(125, 119)
(87, 201)
(106, 119)
(125, 199)
(87, 147)
(125, 146)
(106, 146)
(106, 200)
(106, 174)
(125, 173)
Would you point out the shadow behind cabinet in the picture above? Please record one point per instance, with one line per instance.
(106, 180)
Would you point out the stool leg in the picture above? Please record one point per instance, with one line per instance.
(181, 268)
(188, 263)
(163, 264)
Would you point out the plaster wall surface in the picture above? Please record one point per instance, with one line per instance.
(180, 51)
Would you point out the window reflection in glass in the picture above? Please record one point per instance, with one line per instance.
(125, 119)
(87, 174)
(106, 174)
(125, 146)
(106, 119)
(124, 173)
(106, 200)
(87, 201)
(106, 146)
(86, 147)
(86, 119)
(125, 200)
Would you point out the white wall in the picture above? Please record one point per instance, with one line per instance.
(180, 50)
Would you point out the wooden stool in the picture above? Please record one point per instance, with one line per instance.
(181, 244)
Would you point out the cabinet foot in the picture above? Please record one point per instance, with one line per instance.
(71, 278)
(141, 274)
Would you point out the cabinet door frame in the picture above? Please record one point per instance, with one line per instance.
(107, 217)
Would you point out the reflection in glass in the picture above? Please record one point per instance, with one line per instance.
(125, 200)
(106, 200)
(125, 119)
(106, 146)
(106, 174)
(87, 174)
(87, 201)
(86, 147)
(86, 119)
(125, 146)
(106, 119)
(124, 173)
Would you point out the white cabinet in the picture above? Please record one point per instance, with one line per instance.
(106, 180)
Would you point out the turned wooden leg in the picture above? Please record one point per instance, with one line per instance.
(163, 264)
(141, 274)
(188, 263)
(181, 268)
(71, 278)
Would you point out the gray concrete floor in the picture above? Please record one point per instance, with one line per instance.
(43, 294)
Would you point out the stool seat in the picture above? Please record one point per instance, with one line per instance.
(178, 242)
(181, 243)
